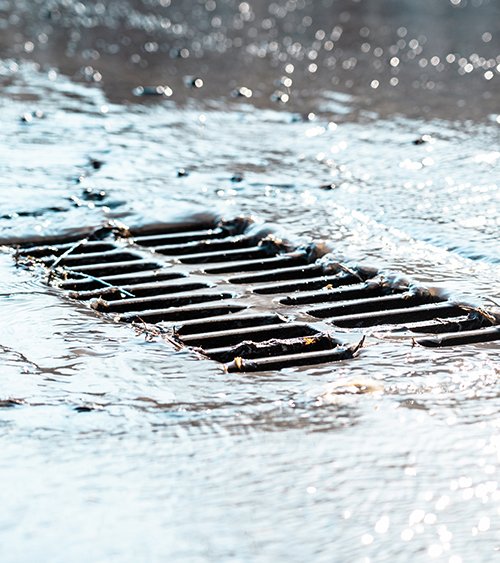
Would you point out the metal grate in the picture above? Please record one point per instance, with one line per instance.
(241, 296)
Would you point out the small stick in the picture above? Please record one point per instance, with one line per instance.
(64, 255)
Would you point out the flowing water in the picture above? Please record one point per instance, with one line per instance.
(115, 448)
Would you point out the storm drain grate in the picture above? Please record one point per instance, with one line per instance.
(241, 296)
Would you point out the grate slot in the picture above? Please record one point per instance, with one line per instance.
(111, 268)
(460, 338)
(356, 291)
(139, 290)
(57, 250)
(398, 316)
(266, 264)
(314, 283)
(206, 246)
(257, 334)
(275, 347)
(252, 253)
(281, 274)
(179, 238)
(216, 324)
(384, 303)
(73, 260)
(88, 284)
(471, 321)
(292, 360)
(181, 313)
(158, 302)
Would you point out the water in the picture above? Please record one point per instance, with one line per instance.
(119, 449)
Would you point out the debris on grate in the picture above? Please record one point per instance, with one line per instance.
(240, 295)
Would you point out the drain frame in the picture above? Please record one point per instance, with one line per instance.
(226, 288)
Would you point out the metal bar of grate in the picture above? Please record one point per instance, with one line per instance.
(466, 321)
(275, 347)
(372, 304)
(398, 316)
(139, 290)
(90, 258)
(327, 282)
(214, 324)
(342, 293)
(88, 283)
(203, 246)
(251, 253)
(159, 302)
(176, 314)
(264, 264)
(289, 360)
(179, 238)
(302, 271)
(190, 225)
(57, 250)
(254, 333)
(460, 338)
(113, 268)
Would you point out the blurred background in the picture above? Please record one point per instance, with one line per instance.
(431, 57)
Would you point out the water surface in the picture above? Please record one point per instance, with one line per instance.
(120, 449)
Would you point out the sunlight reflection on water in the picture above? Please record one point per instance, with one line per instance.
(157, 447)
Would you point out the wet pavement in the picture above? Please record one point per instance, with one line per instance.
(374, 125)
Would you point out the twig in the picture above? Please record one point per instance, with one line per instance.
(105, 283)
(64, 255)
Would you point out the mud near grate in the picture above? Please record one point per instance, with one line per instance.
(238, 293)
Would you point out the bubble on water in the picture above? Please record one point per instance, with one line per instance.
(367, 539)
(382, 525)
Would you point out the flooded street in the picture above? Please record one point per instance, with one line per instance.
(373, 125)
